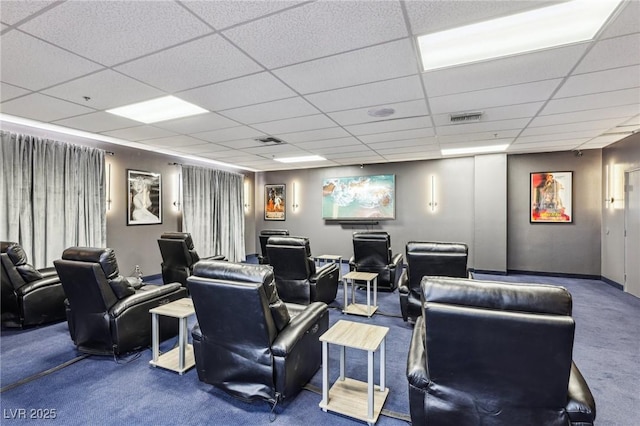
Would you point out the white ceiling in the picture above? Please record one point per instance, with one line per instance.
(308, 73)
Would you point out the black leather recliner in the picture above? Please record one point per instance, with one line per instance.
(428, 258)
(264, 235)
(491, 353)
(179, 256)
(247, 342)
(372, 253)
(29, 296)
(296, 276)
(106, 314)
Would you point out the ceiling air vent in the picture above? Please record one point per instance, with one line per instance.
(465, 117)
(269, 139)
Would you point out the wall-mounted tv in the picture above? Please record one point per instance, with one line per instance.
(359, 198)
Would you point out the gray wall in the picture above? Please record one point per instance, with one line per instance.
(453, 219)
(556, 248)
(626, 156)
(137, 245)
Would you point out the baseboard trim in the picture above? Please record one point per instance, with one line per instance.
(612, 283)
(555, 274)
(487, 271)
(151, 277)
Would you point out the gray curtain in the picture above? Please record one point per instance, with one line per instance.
(52, 196)
(213, 213)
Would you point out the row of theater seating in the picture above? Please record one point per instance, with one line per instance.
(481, 352)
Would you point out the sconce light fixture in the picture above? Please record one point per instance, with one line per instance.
(432, 202)
(295, 204)
(246, 196)
(177, 203)
(109, 186)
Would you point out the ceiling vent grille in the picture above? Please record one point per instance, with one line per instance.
(269, 139)
(465, 117)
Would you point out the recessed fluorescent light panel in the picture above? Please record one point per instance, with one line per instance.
(155, 110)
(300, 159)
(475, 150)
(571, 22)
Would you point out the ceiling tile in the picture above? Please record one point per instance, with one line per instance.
(239, 92)
(298, 124)
(48, 65)
(492, 126)
(42, 108)
(602, 141)
(330, 151)
(270, 111)
(200, 149)
(359, 116)
(536, 66)
(600, 125)
(389, 126)
(621, 112)
(626, 22)
(612, 53)
(397, 135)
(8, 91)
(276, 150)
(422, 142)
(112, 32)
(556, 145)
(167, 70)
(225, 13)
(483, 137)
(329, 143)
(197, 123)
(11, 12)
(96, 122)
(313, 135)
(230, 134)
(488, 98)
(371, 94)
(382, 62)
(173, 141)
(405, 150)
(360, 154)
(107, 89)
(319, 29)
(600, 81)
(243, 143)
(582, 135)
(498, 113)
(593, 101)
(139, 133)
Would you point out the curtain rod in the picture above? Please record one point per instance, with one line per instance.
(110, 153)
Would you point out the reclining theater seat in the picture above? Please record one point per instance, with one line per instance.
(29, 296)
(495, 353)
(264, 237)
(372, 253)
(296, 276)
(178, 256)
(247, 341)
(428, 259)
(106, 314)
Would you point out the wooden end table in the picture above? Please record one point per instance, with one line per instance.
(358, 308)
(180, 358)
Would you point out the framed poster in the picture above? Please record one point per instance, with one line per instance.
(551, 197)
(144, 202)
(274, 202)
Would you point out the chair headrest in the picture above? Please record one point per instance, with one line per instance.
(106, 257)
(228, 271)
(16, 253)
(371, 236)
(534, 298)
(436, 247)
(288, 241)
(4, 245)
(274, 232)
(179, 236)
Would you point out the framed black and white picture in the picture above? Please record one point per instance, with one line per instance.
(144, 201)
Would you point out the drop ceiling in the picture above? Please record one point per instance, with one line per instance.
(308, 73)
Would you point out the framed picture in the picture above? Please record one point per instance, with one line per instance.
(551, 197)
(275, 202)
(144, 202)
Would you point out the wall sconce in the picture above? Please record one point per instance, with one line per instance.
(617, 186)
(432, 202)
(246, 197)
(108, 186)
(178, 203)
(295, 204)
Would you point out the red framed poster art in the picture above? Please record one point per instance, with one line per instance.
(551, 197)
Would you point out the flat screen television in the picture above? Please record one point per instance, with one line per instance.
(359, 198)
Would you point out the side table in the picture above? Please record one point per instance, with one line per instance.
(357, 308)
(351, 397)
(180, 358)
(333, 258)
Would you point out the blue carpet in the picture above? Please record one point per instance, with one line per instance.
(97, 390)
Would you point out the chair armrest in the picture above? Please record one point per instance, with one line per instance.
(215, 257)
(146, 293)
(397, 261)
(48, 272)
(352, 263)
(581, 407)
(297, 328)
(403, 283)
(417, 374)
(323, 272)
(135, 282)
(34, 285)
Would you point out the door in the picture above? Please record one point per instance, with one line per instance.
(632, 234)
